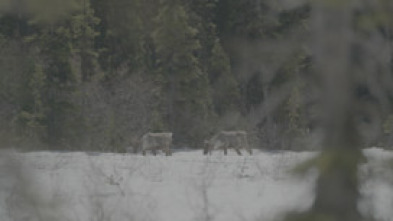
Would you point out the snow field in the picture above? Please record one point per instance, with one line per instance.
(186, 186)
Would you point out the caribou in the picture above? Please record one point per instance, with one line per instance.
(228, 139)
(157, 141)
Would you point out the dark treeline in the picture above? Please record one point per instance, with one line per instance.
(97, 74)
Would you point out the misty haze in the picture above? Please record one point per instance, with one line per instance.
(196, 110)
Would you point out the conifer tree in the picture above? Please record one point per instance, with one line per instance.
(185, 84)
(353, 99)
(214, 59)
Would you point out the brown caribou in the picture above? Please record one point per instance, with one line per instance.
(228, 139)
(157, 141)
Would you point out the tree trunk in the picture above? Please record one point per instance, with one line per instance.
(337, 186)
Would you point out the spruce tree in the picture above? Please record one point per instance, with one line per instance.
(214, 59)
(353, 100)
(186, 92)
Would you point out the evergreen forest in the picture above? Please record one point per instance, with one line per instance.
(98, 74)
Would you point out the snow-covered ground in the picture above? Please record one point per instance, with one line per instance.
(184, 187)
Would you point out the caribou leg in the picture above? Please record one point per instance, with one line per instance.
(168, 152)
